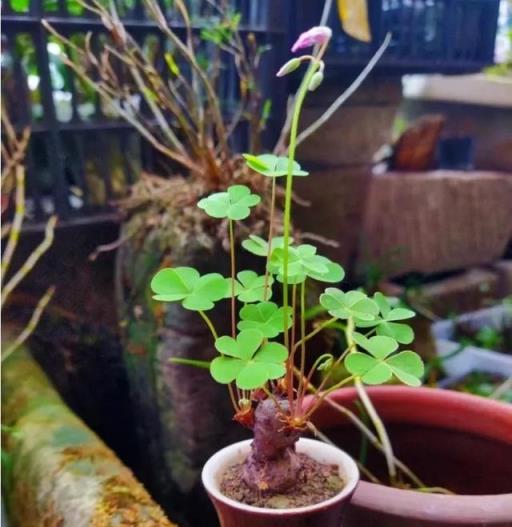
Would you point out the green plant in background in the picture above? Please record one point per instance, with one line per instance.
(263, 360)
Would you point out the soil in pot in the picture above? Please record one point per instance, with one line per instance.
(316, 482)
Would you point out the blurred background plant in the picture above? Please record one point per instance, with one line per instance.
(14, 147)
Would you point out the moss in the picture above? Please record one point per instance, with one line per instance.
(61, 472)
(125, 505)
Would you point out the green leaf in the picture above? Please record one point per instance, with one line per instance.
(243, 347)
(173, 284)
(258, 246)
(252, 287)
(402, 333)
(272, 166)
(400, 313)
(385, 324)
(408, 367)
(351, 304)
(368, 368)
(380, 347)
(245, 364)
(334, 273)
(252, 375)
(303, 262)
(224, 370)
(383, 303)
(197, 293)
(265, 317)
(234, 204)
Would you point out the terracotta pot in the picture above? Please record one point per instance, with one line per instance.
(232, 513)
(454, 440)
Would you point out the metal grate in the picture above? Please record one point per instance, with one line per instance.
(81, 156)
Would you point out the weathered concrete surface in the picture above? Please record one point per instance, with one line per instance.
(466, 291)
(437, 221)
(503, 269)
(59, 473)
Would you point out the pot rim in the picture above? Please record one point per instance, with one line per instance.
(317, 449)
(484, 417)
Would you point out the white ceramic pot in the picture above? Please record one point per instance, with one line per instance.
(232, 513)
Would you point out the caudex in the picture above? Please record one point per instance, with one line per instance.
(263, 360)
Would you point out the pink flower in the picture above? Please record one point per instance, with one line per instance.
(311, 37)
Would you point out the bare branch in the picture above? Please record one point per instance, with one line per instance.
(32, 323)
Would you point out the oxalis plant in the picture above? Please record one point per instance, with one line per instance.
(263, 361)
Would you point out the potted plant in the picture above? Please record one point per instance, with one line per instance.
(163, 85)
(481, 340)
(279, 478)
(175, 99)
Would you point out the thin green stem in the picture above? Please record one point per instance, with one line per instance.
(302, 343)
(369, 434)
(370, 409)
(315, 332)
(301, 95)
(209, 323)
(325, 439)
(323, 394)
(270, 236)
(233, 271)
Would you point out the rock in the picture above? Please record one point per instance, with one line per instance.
(416, 148)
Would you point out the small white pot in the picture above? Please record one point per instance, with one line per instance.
(232, 513)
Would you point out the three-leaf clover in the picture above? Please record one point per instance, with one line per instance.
(185, 284)
(303, 262)
(243, 360)
(273, 166)
(234, 204)
(379, 365)
(258, 246)
(253, 288)
(387, 324)
(351, 304)
(266, 317)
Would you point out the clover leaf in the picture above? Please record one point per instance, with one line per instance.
(234, 204)
(185, 284)
(265, 317)
(386, 324)
(272, 166)
(251, 287)
(303, 262)
(258, 246)
(351, 304)
(243, 360)
(380, 364)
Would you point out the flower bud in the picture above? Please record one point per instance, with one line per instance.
(290, 66)
(315, 35)
(315, 81)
